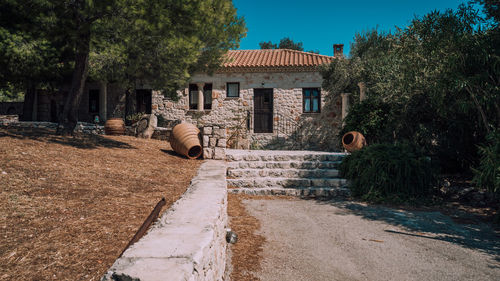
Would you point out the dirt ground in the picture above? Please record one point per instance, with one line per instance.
(71, 204)
(246, 254)
(346, 240)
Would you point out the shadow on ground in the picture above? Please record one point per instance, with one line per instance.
(427, 225)
(83, 141)
(173, 153)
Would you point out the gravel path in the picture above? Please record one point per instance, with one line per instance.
(313, 240)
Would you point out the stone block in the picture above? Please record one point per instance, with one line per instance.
(206, 141)
(207, 130)
(212, 142)
(251, 157)
(221, 143)
(207, 153)
(219, 153)
(282, 157)
(220, 133)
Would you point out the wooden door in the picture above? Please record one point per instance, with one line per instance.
(263, 111)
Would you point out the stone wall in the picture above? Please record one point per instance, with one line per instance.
(81, 127)
(11, 108)
(9, 121)
(312, 130)
(214, 142)
(187, 243)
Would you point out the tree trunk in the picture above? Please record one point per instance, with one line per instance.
(29, 100)
(69, 115)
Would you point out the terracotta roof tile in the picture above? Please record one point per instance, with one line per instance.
(273, 58)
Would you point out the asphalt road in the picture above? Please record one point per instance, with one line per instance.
(314, 240)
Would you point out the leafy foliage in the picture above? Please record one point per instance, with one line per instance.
(134, 117)
(492, 9)
(388, 172)
(436, 82)
(285, 43)
(268, 45)
(128, 41)
(372, 118)
(30, 49)
(487, 174)
(165, 43)
(11, 93)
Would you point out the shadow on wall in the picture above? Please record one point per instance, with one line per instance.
(314, 131)
(83, 141)
(427, 225)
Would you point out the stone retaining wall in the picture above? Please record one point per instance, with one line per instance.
(189, 240)
(87, 128)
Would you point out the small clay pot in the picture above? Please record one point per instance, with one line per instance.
(353, 141)
(184, 140)
(114, 126)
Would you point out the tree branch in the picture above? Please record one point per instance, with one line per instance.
(479, 108)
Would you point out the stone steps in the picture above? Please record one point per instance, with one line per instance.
(279, 173)
(277, 155)
(307, 192)
(286, 182)
(297, 173)
(283, 165)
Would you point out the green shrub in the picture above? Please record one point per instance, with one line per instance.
(389, 172)
(135, 117)
(487, 174)
(373, 118)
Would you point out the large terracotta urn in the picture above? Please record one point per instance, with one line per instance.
(184, 140)
(353, 141)
(114, 126)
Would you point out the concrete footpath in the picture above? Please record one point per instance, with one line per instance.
(314, 240)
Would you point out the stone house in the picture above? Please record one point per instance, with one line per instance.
(270, 99)
(264, 98)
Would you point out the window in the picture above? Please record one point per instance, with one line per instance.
(311, 100)
(193, 96)
(233, 90)
(207, 96)
(94, 101)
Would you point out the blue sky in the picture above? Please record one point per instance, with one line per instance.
(319, 24)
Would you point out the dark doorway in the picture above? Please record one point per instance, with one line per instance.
(263, 111)
(143, 101)
(93, 102)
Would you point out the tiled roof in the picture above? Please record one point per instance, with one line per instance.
(273, 59)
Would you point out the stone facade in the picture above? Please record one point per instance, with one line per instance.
(292, 128)
(289, 127)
